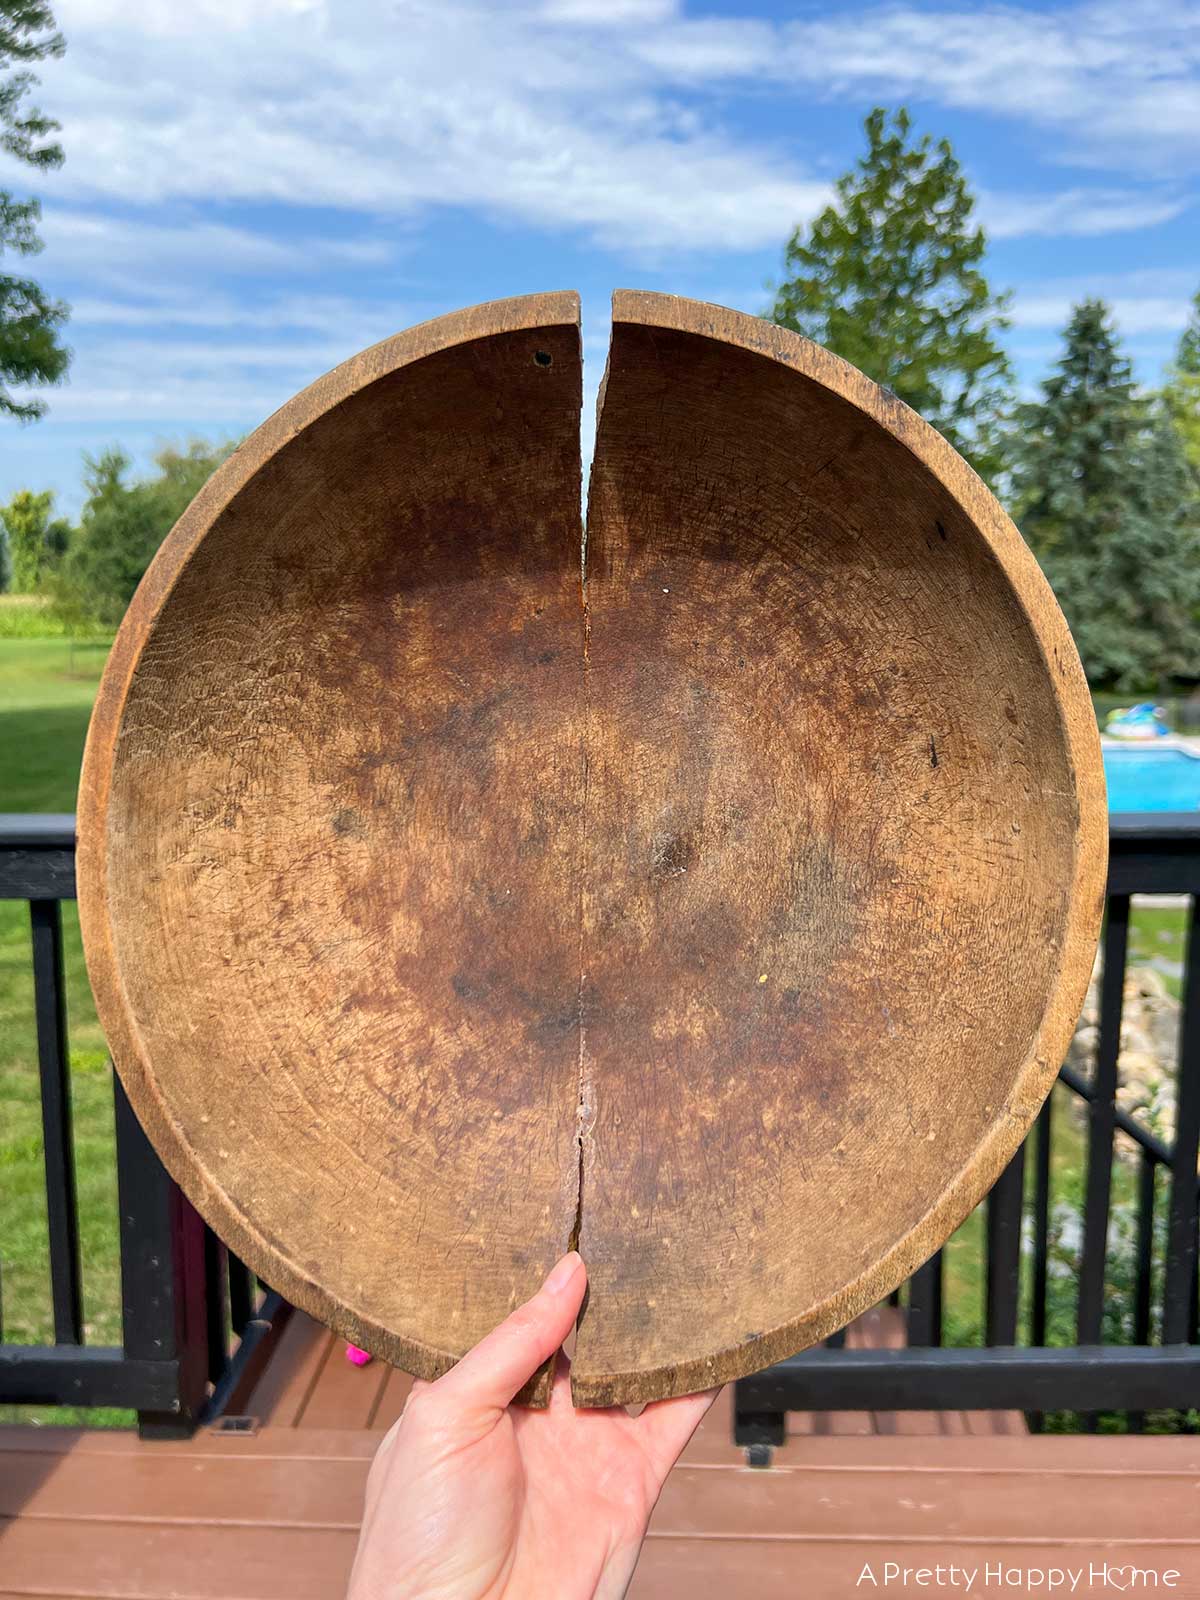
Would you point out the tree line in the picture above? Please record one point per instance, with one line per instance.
(87, 573)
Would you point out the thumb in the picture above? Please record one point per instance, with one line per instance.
(486, 1379)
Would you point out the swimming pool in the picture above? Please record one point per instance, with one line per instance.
(1152, 780)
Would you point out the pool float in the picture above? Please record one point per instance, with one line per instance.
(1143, 721)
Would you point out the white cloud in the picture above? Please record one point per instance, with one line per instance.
(1134, 314)
(161, 306)
(208, 382)
(97, 244)
(1149, 301)
(716, 47)
(1116, 82)
(183, 351)
(392, 110)
(609, 13)
(572, 115)
(1078, 213)
(163, 17)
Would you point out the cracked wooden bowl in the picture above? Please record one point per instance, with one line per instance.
(731, 914)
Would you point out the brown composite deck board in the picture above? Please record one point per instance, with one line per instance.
(283, 1390)
(229, 1490)
(907, 1423)
(149, 1562)
(344, 1396)
(896, 1507)
(391, 1400)
(273, 1515)
(749, 1569)
(1076, 1455)
(790, 1526)
(289, 1444)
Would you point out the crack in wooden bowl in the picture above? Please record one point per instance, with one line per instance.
(728, 912)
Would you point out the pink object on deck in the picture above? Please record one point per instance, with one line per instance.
(357, 1357)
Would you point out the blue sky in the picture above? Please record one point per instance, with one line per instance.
(255, 189)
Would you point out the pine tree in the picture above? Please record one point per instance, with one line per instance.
(31, 352)
(889, 277)
(1151, 574)
(1104, 496)
(1181, 393)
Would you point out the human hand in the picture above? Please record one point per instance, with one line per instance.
(470, 1498)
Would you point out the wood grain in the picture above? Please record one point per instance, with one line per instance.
(732, 916)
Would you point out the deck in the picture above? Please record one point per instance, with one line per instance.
(271, 1512)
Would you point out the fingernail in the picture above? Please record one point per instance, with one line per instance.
(562, 1274)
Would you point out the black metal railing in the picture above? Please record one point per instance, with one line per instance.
(1149, 854)
(196, 1326)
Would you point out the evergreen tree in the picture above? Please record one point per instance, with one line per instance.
(35, 541)
(1071, 475)
(889, 277)
(1150, 576)
(1105, 498)
(1181, 393)
(30, 321)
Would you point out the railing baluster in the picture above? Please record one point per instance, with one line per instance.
(1144, 1291)
(1102, 1125)
(1179, 1295)
(53, 1063)
(214, 1303)
(1041, 1220)
(241, 1294)
(1143, 1296)
(925, 1303)
(1005, 1208)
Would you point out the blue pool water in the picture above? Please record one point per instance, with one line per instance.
(1152, 780)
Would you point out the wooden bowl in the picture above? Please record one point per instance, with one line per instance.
(730, 915)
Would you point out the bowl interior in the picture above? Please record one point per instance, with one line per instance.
(707, 911)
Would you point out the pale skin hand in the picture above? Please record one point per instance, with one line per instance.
(472, 1498)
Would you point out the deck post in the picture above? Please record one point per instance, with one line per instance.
(163, 1278)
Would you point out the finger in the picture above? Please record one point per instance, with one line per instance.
(487, 1377)
(667, 1425)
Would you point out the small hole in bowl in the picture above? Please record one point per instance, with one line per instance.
(542, 358)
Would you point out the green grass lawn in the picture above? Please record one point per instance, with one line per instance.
(1157, 935)
(46, 692)
(24, 616)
